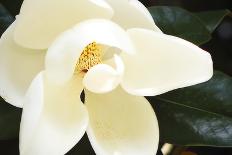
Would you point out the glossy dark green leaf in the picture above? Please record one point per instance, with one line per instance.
(9, 121)
(5, 19)
(181, 23)
(212, 19)
(13, 6)
(197, 115)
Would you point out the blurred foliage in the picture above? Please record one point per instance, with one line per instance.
(192, 5)
(12, 6)
(9, 121)
(212, 19)
(5, 19)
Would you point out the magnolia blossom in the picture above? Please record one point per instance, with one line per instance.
(110, 48)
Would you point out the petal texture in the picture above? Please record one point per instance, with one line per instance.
(53, 119)
(41, 21)
(131, 14)
(121, 124)
(163, 63)
(18, 67)
(64, 53)
(103, 78)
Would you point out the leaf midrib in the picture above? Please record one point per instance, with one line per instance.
(202, 110)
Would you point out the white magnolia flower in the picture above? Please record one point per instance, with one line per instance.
(111, 48)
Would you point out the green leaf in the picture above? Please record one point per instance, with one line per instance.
(9, 121)
(13, 6)
(181, 23)
(5, 19)
(197, 115)
(212, 19)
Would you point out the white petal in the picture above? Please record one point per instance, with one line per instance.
(18, 67)
(121, 124)
(41, 21)
(64, 53)
(103, 78)
(163, 63)
(54, 119)
(131, 14)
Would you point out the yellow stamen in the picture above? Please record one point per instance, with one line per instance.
(91, 56)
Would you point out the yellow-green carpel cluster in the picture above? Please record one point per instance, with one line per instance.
(91, 56)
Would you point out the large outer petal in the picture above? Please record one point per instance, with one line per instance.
(64, 53)
(41, 21)
(54, 119)
(18, 67)
(163, 63)
(131, 14)
(121, 124)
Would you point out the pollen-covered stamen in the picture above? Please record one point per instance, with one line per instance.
(91, 56)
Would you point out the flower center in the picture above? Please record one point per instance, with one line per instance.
(91, 56)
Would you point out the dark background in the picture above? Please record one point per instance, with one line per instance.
(220, 48)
